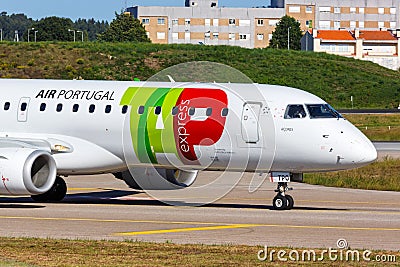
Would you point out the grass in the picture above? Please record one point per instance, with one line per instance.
(377, 127)
(331, 77)
(50, 252)
(380, 175)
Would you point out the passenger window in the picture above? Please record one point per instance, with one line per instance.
(175, 111)
(75, 108)
(24, 106)
(141, 110)
(108, 109)
(59, 107)
(209, 112)
(7, 106)
(43, 107)
(192, 111)
(124, 109)
(295, 112)
(157, 111)
(91, 108)
(224, 112)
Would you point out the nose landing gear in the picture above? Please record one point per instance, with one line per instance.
(282, 201)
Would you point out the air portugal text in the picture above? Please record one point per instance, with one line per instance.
(169, 114)
(76, 94)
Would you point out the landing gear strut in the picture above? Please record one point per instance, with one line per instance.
(281, 200)
(56, 193)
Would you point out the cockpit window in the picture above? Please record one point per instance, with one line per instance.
(322, 111)
(295, 112)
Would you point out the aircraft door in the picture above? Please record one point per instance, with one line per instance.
(250, 122)
(22, 111)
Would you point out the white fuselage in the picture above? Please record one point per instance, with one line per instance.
(235, 127)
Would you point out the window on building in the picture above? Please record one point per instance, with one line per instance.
(381, 24)
(361, 10)
(207, 35)
(324, 24)
(336, 24)
(175, 36)
(381, 10)
(336, 10)
(244, 22)
(92, 107)
(325, 9)
(352, 10)
(207, 22)
(175, 22)
(361, 24)
(161, 35)
(260, 22)
(232, 36)
(43, 107)
(232, 22)
(215, 22)
(215, 35)
(308, 9)
(59, 107)
(7, 106)
(393, 25)
(145, 21)
(270, 36)
(309, 23)
(243, 36)
(273, 22)
(187, 36)
(161, 21)
(294, 9)
(353, 24)
(392, 10)
(148, 34)
(260, 36)
(187, 21)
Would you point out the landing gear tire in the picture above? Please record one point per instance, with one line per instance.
(55, 194)
(280, 202)
(290, 202)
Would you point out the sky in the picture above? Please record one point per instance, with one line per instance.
(98, 9)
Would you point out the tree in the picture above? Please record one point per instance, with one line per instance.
(124, 28)
(54, 29)
(280, 35)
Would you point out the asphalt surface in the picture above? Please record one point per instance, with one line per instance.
(102, 207)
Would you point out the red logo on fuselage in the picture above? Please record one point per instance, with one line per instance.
(206, 131)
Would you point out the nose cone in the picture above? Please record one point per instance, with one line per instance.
(368, 153)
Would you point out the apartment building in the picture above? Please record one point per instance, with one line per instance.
(379, 46)
(204, 22)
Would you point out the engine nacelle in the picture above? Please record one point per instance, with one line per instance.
(157, 179)
(26, 171)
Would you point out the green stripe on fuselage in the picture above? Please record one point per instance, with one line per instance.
(147, 140)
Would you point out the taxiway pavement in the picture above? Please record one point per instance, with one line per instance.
(102, 207)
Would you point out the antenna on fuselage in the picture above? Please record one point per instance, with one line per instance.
(171, 79)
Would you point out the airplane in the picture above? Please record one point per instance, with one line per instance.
(158, 135)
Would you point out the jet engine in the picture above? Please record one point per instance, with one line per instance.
(157, 178)
(26, 171)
